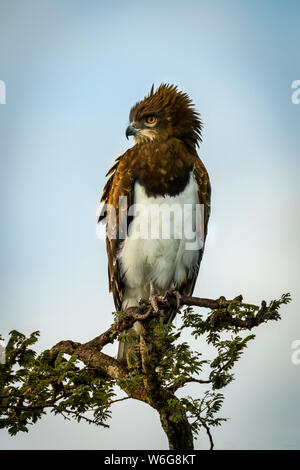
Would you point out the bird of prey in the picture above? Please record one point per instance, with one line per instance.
(162, 169)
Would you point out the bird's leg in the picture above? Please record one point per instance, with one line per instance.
(176, 294)
(153, 298)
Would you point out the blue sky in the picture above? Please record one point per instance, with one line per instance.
(72, 71)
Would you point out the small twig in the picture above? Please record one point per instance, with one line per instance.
(174, 388)
(65, 417)
(199, 381)
(208, 433)
(119, 399)
(206, 427)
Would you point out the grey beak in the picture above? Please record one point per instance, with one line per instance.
(131, 130)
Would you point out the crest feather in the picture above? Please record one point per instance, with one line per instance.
(152, 90)
(176, 107)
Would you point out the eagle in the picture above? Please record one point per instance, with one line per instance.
(162, 169)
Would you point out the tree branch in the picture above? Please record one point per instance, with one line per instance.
(206, 427)
(174, 388)
(90, 352)
(158, 368)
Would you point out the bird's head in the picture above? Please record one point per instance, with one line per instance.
(165, 113)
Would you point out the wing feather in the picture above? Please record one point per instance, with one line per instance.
(119, 185)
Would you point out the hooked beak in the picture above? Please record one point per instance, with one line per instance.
(131, 130)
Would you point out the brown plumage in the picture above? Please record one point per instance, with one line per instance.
(175, 112)
(163, 163)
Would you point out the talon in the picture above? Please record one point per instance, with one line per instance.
(177, 294)
(153, 298)
(154, 304)
(178, 298)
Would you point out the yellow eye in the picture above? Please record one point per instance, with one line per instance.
(151, 120)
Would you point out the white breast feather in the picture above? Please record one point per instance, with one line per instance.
(161, 261)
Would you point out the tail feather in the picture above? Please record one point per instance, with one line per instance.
(125, 346)
(123, 351)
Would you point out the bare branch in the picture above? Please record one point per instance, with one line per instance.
(206, 427)
(221, 302)
(174, 388)
(119, 399)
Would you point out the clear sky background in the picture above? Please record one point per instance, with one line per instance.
(72, 70)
